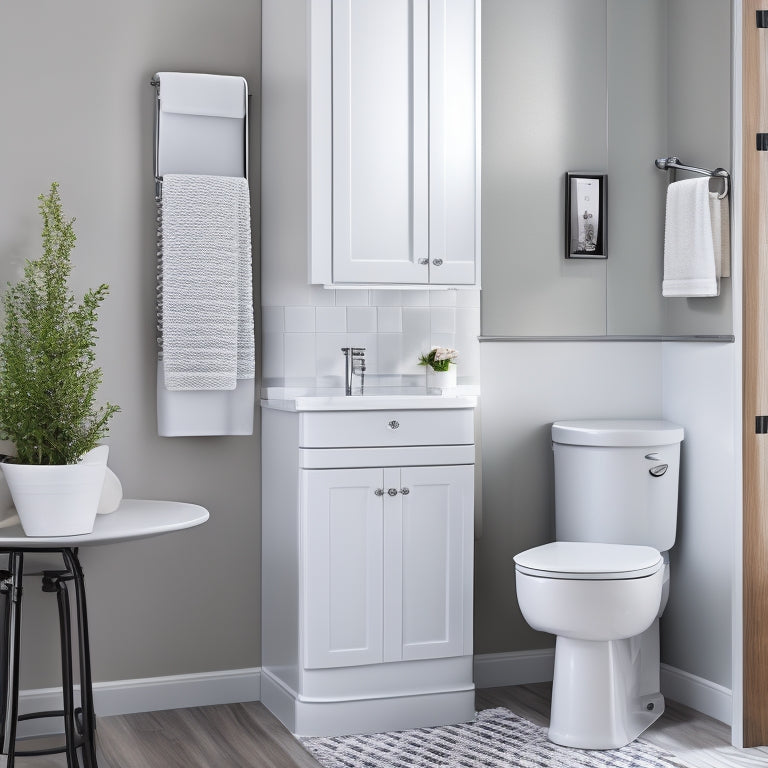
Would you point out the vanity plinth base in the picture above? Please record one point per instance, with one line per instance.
(334, 716)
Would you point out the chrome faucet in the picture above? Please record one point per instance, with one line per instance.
(354, 363)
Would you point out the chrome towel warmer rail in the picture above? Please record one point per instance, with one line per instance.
(673, 164)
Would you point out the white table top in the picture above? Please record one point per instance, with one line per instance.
(133, 519)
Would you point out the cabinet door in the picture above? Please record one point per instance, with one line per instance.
(428, 564)
(380, 141)
(342, 555)
(453, 144)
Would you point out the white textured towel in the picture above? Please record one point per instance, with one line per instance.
(207, 285)
(696, 240)
(189, 93)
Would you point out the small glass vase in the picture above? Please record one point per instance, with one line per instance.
(441, 382)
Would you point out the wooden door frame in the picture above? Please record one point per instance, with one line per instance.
(755, 380)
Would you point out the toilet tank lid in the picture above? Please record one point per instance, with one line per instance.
(616, 432)
(577, 559)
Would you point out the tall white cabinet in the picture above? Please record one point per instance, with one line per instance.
(367, 564)
(371, 136)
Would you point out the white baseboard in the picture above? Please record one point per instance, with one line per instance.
(124, 697)
(515, 668)
(523, 667)
(696, 692)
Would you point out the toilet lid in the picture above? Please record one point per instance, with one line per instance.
(587, 560)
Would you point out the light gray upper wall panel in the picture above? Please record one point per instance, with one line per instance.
(637, 134)
(544, 80)
(699, 45)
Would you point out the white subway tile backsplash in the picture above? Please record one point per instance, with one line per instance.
(272, 359)
(382, 298)
(468, 298)
(390, 348)
(299, 319)
(302, 344)
(329, 357)
(272, 319)
(390, 319)
(443, 298)
(352, 297)
(321, 297)
(416, 321)
(331, 319)
(361, 319)
(370, 342)
(442, 319)
(468, 321)
(415, 298)
(300, 356)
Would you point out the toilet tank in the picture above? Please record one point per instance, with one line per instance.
(616, 481)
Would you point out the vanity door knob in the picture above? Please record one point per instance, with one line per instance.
(393, 424)
(437, 262)
(392, 491)
(405, 491)
(424, 261)
(379, 491)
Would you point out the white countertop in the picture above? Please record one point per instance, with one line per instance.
(285, 399)
(133, 519)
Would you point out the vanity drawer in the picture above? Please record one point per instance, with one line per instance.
(366, 429)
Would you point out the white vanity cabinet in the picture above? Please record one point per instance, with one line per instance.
(371, 135)
(367, 567)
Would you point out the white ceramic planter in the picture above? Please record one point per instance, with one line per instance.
(58, 500)
(441, 382)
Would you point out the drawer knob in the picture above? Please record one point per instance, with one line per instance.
(392, 491)
(393, 424)
(379, 491)
(405, 491)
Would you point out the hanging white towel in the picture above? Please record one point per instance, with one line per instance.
(207, 289)
(690, 267)
(721, 234)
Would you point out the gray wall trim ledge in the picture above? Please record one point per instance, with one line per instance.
(722, 338)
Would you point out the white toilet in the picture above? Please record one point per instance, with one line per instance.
(603, 584)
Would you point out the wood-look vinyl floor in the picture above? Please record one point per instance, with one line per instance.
(248, 736)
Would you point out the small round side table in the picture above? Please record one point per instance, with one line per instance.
(134, 519)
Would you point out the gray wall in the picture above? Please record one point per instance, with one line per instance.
(601, 86)
(78, 108)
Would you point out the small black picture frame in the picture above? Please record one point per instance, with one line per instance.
(585, 215)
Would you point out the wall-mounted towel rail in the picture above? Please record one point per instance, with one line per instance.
(201, 130)
(673, 164)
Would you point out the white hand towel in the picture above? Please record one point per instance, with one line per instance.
(207, 292)
(721, 234)
(689, 252)
(188, 93)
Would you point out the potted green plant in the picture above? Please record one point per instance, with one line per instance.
(48, 384)
(441, 370)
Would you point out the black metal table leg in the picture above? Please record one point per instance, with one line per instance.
(16, 568)
(79, 723)
(86, 683)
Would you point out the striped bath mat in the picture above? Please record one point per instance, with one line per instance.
(495, 739)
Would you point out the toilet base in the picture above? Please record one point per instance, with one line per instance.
(605, 694)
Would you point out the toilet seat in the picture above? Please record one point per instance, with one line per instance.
(589, 560)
